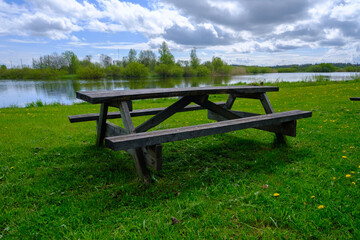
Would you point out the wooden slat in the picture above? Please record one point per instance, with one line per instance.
(288, 128)
(169, 135)
(126, 95)
(355, 98)
(135, 113)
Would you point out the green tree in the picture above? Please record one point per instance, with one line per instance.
(132, 56)
(71, 61)
(217, 64)
(194, 60)
(148, 58)
(165, 55)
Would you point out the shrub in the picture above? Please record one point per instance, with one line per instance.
(91, 72)
(162, 70)
(176, 71)
(189, 72)
(203, 71)
(136, 69)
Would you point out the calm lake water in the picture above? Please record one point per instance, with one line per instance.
(22, 92)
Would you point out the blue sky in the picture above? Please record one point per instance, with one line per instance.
(251, 32)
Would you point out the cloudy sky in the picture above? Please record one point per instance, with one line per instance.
(251, 32)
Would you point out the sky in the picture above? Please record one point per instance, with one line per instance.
(244, 32)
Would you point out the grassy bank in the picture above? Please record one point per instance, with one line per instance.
(55, 183)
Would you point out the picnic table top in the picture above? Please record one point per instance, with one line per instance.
(127, 95)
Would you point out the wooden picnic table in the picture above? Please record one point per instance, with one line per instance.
(146, 148)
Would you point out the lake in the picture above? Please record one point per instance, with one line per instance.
(22, 92)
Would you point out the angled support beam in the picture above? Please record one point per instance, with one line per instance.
(230, 101)
(165, 114)
(205, 103)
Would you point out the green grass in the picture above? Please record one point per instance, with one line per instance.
(56, 184)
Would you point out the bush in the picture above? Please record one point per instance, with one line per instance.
(322, 67)
(203, 71)
(176, 71)
(189, 72)
(136, 69)
(91, 72)
(114, 71)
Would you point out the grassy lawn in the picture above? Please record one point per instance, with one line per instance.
(56, 184)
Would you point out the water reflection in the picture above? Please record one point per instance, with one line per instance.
(22, 92)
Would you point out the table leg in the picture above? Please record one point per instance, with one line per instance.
(280, 138)
(101, 124)
(230, 101)
(137, 154)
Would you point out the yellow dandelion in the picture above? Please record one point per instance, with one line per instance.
(347, 175)
(312, 196)
(276, 194)
(344, 151)
(334, 178)
(359, 166)
(352, 147)
(352, 172)
(11, 168)
(354, 183)
(344, 156)
(320, 206)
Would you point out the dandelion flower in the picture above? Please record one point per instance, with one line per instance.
(354, 183)
(312, 196)
(344, 156)
(352, 172)
(276, 194)
(347, 175)
(320, 206)
(352, 147)
(334, 178)
(11, 168)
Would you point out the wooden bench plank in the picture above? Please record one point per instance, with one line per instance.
(355, 98)
(95, 97)
(175, 134)
(135, 113)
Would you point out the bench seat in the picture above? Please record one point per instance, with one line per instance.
(135, 113)
(136, 140)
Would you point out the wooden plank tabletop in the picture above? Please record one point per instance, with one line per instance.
(126, 95)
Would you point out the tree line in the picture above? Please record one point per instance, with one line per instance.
(133, 65)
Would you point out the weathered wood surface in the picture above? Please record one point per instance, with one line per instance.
(169, 135)
(136, 152)
(153, 156)
(288, 128)
(135, 113)
(163, 115)
(127, 95)
(101, 124)
(355, 98)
